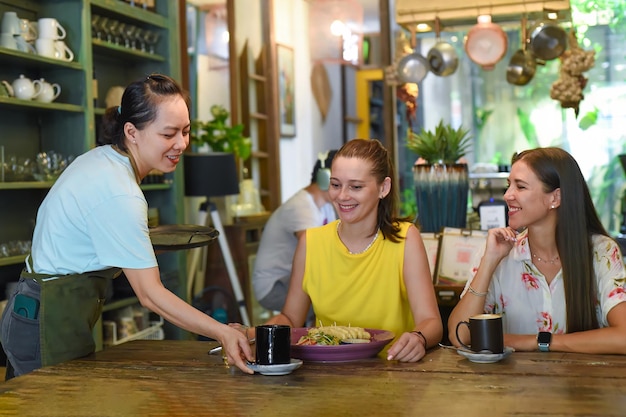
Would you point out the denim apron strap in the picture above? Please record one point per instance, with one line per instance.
(70, 305)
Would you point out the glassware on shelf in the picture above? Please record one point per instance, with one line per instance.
(103, 28)
(151, 37)
(139, 41)
(14, 248)
(50, 165)
(128, 34)
(96, 30)
(112, 31)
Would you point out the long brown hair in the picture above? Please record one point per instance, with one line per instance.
(577, 222)
(374, 152)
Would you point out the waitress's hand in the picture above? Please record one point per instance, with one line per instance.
(249, 332)
(236, 348)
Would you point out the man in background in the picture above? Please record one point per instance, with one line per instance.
(309, 207)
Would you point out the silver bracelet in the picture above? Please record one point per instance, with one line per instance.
(477, 293)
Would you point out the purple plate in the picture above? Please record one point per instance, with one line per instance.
(339, 353)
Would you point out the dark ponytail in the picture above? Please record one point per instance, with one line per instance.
(139, 106)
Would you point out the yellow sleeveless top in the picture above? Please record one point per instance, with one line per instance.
(364, 290)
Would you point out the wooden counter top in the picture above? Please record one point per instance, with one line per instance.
(179, 378)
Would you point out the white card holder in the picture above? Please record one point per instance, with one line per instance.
(431, 243)
(459, 250)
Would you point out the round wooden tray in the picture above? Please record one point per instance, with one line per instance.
(181, 236)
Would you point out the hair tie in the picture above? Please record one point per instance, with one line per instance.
(119, 109)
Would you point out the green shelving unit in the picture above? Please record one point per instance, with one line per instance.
(69, 125)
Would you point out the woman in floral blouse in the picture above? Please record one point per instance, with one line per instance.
(554, 272)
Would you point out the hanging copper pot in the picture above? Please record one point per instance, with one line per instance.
(522, 65)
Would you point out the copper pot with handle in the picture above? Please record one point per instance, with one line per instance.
(522, 65)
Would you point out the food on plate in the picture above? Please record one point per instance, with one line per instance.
(334, 335)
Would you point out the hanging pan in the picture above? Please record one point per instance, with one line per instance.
(442, 57)
(547, 40)
(522, 65)
(412, 68)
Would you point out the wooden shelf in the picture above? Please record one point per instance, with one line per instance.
(117, 304)
(38, 105)
(257, 77)
(127, 53)
(12, 260)
(137, 14)
(23, 185)
(257, 104)
(28, 61)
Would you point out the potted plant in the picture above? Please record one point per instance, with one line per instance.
(440, 179)
(444, 145)
(220, 136)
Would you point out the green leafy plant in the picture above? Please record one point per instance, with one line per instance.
(443, 145)
(220, 136)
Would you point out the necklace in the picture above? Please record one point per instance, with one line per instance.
(366, 248)
(546, 261)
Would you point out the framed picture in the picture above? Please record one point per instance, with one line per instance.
(459, 250)
(286, 90)
(431, 243)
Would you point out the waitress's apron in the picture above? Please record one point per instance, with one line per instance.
(70, 305)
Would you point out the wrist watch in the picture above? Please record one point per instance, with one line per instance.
(543, 341)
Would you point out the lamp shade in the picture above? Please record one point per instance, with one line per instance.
(211, 174)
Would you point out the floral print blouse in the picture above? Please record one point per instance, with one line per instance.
(528, 304)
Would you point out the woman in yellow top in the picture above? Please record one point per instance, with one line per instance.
(369, 268)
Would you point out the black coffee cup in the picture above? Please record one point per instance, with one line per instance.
(273, 344)
(486, 334)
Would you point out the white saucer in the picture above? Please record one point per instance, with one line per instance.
(486, 357)
(281, 369)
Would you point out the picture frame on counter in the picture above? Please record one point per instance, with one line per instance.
(431, 244)
(459, 251)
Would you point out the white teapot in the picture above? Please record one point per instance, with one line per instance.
(23, 88)
(49, 92)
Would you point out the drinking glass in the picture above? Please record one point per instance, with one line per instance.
(151, 38)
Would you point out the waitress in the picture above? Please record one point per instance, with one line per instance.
(93, 225)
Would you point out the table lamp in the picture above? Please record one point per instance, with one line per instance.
(214, 175)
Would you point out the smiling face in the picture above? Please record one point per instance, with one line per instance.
(354, 190)
(528, 201)
(161, 143)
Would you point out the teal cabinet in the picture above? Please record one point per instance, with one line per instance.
(133, 43)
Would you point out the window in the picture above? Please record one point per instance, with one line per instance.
(506, 118)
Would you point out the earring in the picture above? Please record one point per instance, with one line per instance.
(135, 142)
(552, 206)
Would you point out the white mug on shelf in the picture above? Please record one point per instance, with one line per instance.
(45, 47)
(24, 46)
(8, 41)
(28, 30)
(49, 92)
(10, 23)
(62, 51)
(50, 28)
